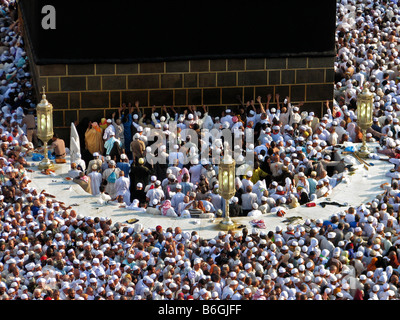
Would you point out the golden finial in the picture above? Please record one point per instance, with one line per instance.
(44, 93)
(44, 99)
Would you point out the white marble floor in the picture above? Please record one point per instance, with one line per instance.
(362, 187)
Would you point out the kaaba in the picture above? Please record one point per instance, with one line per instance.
(95, 55)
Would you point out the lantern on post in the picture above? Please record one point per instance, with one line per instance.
(364, 118)
(44, 113)
(226, 181)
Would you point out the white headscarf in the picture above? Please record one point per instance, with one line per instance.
(137, 227)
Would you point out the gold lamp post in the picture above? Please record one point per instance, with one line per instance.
(364, 118)
(226, 181)
(44, 112)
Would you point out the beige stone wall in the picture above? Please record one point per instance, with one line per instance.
(97, 90)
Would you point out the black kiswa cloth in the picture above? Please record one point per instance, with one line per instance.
(333, 203)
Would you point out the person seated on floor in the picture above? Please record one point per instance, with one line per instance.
(335, 179)
(182, 205)
(118, 201)
(167, 209)
(80, 163)
(73, 172)
(293, 202)
(321, 190)
(135, 206)
(21, 160)
(27, 149)
(84, 181)
(196, 206)
(103, 196)
(207, 214)
(264, 206)
(153, 208)
(185, 214)
(235, 209)
(280, 210)
(255, 212)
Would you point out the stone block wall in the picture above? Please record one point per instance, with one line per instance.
(97, 90)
